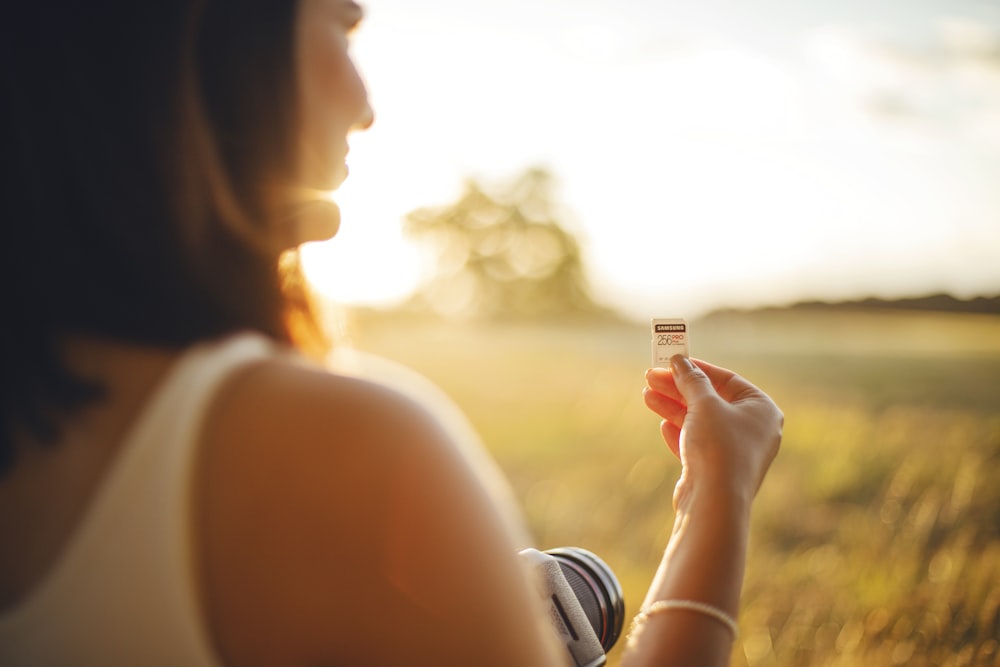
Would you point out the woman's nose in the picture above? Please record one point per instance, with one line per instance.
(366, 118)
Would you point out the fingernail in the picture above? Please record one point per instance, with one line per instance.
(681, 364)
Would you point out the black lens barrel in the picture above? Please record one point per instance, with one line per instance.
(596, 588)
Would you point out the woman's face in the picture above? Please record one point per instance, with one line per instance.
(332, 98)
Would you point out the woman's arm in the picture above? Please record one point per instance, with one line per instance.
(338, 523)
(726, 432)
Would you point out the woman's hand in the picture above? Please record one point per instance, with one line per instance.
(724, 430)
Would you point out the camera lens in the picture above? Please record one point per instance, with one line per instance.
(596, 588)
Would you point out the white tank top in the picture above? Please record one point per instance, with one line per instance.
(123, 592)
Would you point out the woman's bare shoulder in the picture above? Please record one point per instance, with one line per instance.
(307, 406)
(329, 506)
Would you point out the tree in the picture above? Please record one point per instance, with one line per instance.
(502, 255)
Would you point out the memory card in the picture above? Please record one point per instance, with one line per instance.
(670, 337)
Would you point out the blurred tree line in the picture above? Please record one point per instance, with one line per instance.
(502, 254)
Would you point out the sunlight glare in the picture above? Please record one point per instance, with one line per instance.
(705, 171)
(367, 262)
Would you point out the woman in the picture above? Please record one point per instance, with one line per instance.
(177, 484)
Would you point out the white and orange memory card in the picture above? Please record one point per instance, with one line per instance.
(670, 337)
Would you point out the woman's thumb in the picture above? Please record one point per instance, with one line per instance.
(691, 381)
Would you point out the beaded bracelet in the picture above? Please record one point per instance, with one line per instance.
(690, 605)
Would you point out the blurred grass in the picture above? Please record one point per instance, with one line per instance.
(877, 533)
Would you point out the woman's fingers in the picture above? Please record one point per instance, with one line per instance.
(664, 406)
(661, 381)
(661, 396)
(691, 381)
(672, 436)
(729, 385)
(692, 372)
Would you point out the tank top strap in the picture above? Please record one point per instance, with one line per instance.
(124, 590)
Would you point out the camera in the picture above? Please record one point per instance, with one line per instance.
(583, 600)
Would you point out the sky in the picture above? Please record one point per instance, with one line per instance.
(724, 153)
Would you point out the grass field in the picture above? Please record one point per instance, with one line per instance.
(877, 533)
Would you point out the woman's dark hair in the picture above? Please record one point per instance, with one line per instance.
(143, 145)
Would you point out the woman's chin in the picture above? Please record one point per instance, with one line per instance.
(341, 176)
(332, 178)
